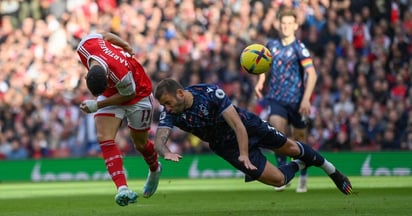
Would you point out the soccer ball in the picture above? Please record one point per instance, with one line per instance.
(256, 59)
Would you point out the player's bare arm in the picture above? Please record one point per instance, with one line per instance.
(160, 140)
(116, 40)
(312, 77)
(232, 118)
(259, 85)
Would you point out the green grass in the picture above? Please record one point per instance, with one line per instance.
(210, 197)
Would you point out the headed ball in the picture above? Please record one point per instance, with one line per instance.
(256, 59)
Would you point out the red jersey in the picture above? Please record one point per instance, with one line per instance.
(125, 74)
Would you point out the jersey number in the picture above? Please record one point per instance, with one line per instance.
(146, 115)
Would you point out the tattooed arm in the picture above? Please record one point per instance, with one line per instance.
(161, 137)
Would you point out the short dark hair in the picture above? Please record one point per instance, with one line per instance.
(167, 86)
(96, 80)
(287, 12)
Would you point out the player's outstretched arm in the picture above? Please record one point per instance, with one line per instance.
(160, 140)
(232, 118)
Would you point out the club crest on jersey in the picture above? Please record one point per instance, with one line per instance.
(220, 93)
(203, 109)
(305, 52)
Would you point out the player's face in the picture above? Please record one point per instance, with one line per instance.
(288, 26)
(174, 104)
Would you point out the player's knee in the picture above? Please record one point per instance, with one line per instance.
(139, 140)
(101, 137)
(275, 182)
(290, 148)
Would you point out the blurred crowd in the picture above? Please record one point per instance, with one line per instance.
(361, 51)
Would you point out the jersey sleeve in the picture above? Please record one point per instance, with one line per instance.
(126, 86)
(220, 98)
(269, 44)
(304, 56)
(88, 37)
(165, 120)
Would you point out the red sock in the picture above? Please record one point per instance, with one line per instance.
(150, 156)
(114, 162)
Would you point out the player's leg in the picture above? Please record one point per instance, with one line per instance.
(300, 135)
(266, 172)
(270, 138)
(280, 176)
(278, 120)
(146, 148)
(139, 117)
(311, 157)
(106, 128)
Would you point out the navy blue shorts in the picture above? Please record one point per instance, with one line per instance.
(288, 111)
(261, 135)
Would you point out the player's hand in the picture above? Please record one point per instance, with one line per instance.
(246, 162)
(304, 108)
(127, 48)
(172, 156)
(258, 90)
(89, 106)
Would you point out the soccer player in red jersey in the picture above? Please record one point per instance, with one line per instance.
(123, 90)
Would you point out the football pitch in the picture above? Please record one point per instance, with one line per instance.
(372, 196)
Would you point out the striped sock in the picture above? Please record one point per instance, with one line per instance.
(150, 156)
(114, 162)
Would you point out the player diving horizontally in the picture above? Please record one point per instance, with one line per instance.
(234, 134)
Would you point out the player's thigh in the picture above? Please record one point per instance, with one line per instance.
(106, 126)
(139, 118)
(299, 134)
(271, 175)
(108, 120)
(278, 116)
(139, 138)
(279, 122)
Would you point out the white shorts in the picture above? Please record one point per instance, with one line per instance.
(138, 115)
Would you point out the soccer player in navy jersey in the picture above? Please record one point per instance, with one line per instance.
(290, 81)
(234, 134)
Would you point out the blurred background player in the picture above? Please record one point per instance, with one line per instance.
(290, 85)
(123, 90)
(234, 134)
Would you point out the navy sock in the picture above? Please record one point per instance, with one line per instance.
(289, 170)
(310, 156)
(304, 172)
(280, 159)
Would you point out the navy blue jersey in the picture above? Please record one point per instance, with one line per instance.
(286, 83)
(205, 120)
